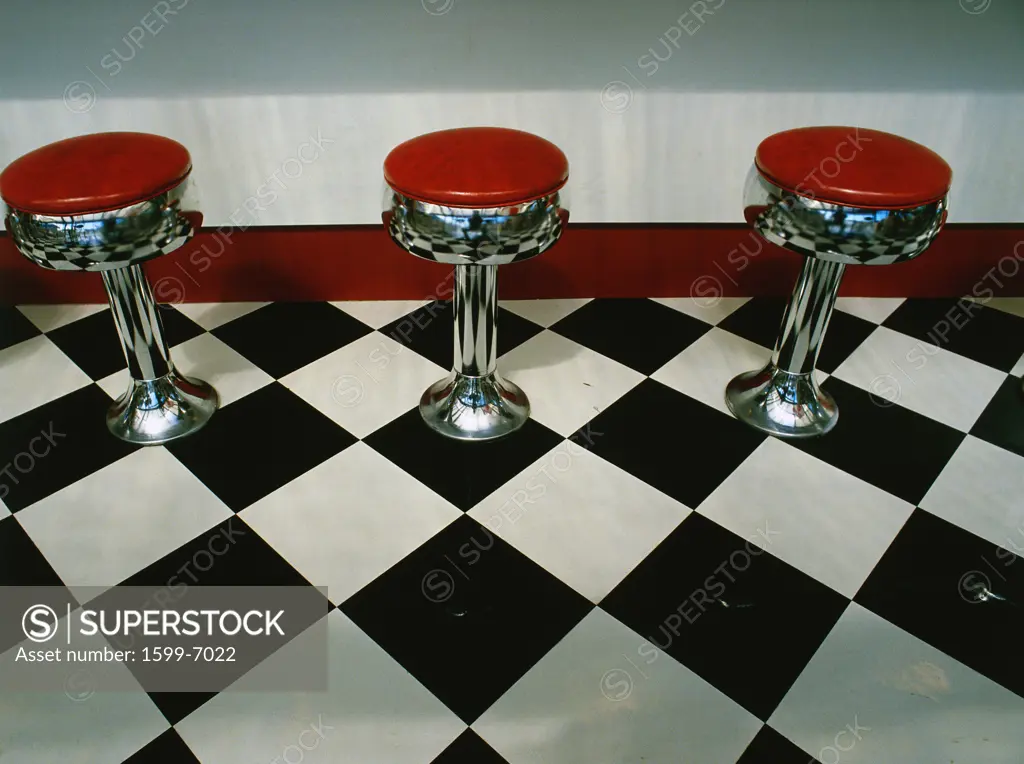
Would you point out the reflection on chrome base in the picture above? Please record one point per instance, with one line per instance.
(155, 411)
(474, 408)
(783, 398)
(160, 404)
(780, 403)
(473, 402)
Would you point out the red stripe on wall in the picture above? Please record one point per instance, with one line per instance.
(361, 263)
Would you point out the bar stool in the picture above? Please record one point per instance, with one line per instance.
(475, 198)
(838, 196)
(108, 202)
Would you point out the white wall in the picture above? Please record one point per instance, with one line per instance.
(245, 85)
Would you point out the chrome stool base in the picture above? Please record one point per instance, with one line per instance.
(155, 411)
(474, 402)
(474, 408)
(781, 403)
(783, 398)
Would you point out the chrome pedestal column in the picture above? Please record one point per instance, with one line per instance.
(160, 405)
(784, 398)
(474, 402)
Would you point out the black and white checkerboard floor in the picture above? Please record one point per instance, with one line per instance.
(633, 577)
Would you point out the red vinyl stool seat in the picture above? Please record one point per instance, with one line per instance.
(476, 167)
(107, 203)
(94, 173)
(854, 167)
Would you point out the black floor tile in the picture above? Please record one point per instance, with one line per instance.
(169, 748)
(469, 748)
(229, 554)
(258, 444)
(14, 327)
(759, 320)
(175, 706)
(958, 592)
(481, 467)
(1002, 421)
(769, 747)
(23, 565)
(56, 444)
(746, 622)
(285, 336)
(467, 615)
(177, 327)
(986, 335)
(21, 562)
(92, 342)
(687, 454)
(640, 333)
(891, 447)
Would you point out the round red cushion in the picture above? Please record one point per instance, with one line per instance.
(476, 167)
(94, 173)
(854, 166)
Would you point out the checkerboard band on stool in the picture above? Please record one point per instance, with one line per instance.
(838, 196)
(475, 198)
(107, 202)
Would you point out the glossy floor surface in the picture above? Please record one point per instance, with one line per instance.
(634, 576)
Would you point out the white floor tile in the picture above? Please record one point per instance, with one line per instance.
(711, 311)
(210, 315)
(373, 713)
(378, 313)
(50, 317)
(874, 693)
(365, 384)
(35, 372)
(580, 517)
(544, 312)
(1018, 369)
(567, 384)
(604, 694)
(831, 525)
(982, 489)
(83, 724)
(113, 523)
(703, 370)
(115, 384)
(341, 537)
(873, 309)
(921, 377)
